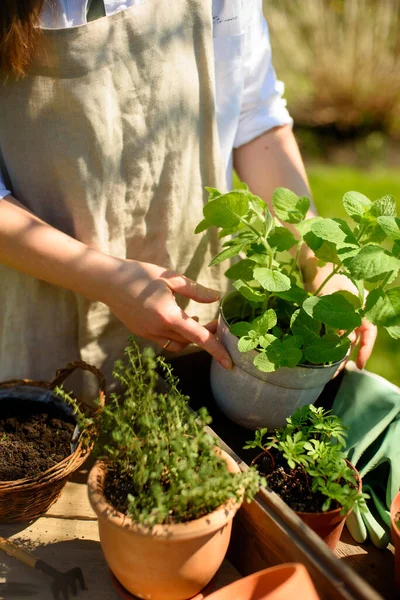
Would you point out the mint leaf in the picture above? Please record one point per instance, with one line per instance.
(213, 193)
(247, 343)
(262, 363)
(265, 340)
(356, 205)
(272, 280)
(327, 349)
(352, 298)
(324, 250)
(229, 252)
(292, 341)
(240, 328)
(391, 226)
(383, 308)
(241, 270)
(248, 292)
(291, 358)
(394, 332)
(329, 230)
(282, 239)
(226, 210)
(332, 310)
(289, 207)
(265, 322)
(372, 261)
(385, 206)
(296, 294)
(303, 325)
(396, 249)
(202, 226)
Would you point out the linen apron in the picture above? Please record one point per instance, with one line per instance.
(111, 138)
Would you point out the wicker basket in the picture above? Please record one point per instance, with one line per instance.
(27, 499)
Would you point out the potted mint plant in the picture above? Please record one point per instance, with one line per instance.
(285, 342)
(164, 493)
(304, 463)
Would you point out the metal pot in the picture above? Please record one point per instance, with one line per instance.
(255, 399)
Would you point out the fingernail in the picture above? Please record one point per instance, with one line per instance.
(214, 294)
(226, 363)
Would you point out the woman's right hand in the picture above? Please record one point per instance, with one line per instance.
(141, 295)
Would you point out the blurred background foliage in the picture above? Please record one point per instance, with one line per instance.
(340, 62)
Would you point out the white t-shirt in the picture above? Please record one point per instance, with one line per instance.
(248, 95)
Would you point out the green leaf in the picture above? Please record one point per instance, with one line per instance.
(391, 226)
(383, 307)
(394, 332)
(266, 339)
(262, 363)
(324, 250)
(329, 230)
(213, 193)
(291, 358)
(265, 322)
(356, 205)
(226, 253)
(333, 310)
(327, 349)
(372, 261)
(272, 280)
(292, 341)
(352, 298)
(282, 239)
(245, 344)
(296, 295)
(248, 292)
(396, 249)
(241, 270)
(303, 325)
(226, 210)
(384, 207)
(202, 226)
(289, 207)
(240, 329)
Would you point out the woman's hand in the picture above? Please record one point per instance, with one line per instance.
(141, 295)
(365, 335)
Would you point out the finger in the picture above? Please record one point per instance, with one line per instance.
(199, 335)
(212, 326)
(190, 289)
(368, 337)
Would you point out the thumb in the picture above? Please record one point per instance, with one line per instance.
(184, 286)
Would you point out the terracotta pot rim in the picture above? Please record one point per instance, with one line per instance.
(331, 513)
(174, 532)
(394, 510)
(300, 365)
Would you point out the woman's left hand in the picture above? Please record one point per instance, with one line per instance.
(365, 335)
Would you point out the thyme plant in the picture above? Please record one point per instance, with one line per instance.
(161, 463)
(272, 312)
(313, 442)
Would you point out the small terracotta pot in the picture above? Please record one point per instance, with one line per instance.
(276, 583)
(328, 525)
(395, 518)
(165, 562)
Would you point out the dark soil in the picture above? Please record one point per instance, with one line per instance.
(32, 443)
(292, 485)
(117, 486)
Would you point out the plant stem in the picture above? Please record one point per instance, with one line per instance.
(334, 272)
(260, 238)
(386, 279)
(296, 258)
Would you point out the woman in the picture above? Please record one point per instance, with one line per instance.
(110, 128)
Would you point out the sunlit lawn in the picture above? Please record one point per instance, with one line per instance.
(328, 184)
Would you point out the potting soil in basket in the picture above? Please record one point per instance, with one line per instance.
(32, 440)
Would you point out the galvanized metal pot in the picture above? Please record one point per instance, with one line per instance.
(255, 399)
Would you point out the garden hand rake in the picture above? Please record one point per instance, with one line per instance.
(62, 583)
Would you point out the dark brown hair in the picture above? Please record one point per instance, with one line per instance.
(18, 35)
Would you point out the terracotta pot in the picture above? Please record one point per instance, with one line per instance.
(276, 583)
(395, 518)
(166, 562)
(328, 525)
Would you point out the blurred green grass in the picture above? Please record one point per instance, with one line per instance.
(328, 185)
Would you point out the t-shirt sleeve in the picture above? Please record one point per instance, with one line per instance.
(3, 189)
(263, 106)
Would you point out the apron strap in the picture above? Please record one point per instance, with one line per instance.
(95, 10)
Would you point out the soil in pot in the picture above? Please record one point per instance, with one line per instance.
(292, 485)
(32, 439)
